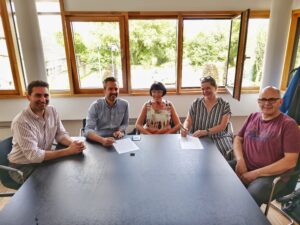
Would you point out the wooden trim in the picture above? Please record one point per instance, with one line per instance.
(123, 54)
(179, 54)
(241, 55)
(67, 50)
(259, 14)
(71, 54)
(127, 54)
(289, 51)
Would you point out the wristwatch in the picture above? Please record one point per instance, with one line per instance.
(207, 131)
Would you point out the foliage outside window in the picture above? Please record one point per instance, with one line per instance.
(152, 52)
(255, 49)
(205, 50)
(97, 51)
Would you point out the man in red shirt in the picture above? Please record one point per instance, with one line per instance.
(267, 145)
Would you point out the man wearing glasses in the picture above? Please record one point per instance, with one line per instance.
(267, 145)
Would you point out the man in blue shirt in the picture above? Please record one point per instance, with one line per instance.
(107, 117)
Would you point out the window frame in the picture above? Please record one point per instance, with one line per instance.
(94, 18)
(290, 51)
(124, 17)
(8, 24)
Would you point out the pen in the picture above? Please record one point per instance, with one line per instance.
(182, 127)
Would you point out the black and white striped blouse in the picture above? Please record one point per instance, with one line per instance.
(203, 120)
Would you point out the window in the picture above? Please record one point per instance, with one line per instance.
(153, 52)
(292, 59)
(205, 50)
(139, 48)
(96, 51)
(9, 70)
(53, 45)
(236, 54)
(255, 49)
(6, 82)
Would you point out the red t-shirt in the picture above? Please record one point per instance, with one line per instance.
(265, 142)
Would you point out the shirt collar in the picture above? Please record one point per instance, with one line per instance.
(114, 105)
(35, 116)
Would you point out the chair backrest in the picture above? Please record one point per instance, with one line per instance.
(5, 148)
(294, 179)
(83, 127)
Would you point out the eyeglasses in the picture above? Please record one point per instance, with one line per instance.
(269, 100)
(207, 78)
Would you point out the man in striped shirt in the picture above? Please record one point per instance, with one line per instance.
(34, 131)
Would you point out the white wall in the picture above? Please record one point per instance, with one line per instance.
(74, 108)
(296, 4)
(165, 5)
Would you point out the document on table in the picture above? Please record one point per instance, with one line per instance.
(125, 145)
(190, 142)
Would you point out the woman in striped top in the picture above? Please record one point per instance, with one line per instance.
(158, 115)
(209, 116)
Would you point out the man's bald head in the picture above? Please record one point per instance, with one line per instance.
(269, 102)
(270, 90)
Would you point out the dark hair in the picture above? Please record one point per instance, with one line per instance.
(108, 79)
(36, 83)
(209, 79)
(158, 86)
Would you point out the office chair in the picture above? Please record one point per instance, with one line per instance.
(229, 155)
(289, 188)
(5, 148)
(83, 126)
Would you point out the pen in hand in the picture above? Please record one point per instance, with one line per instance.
(183, 128)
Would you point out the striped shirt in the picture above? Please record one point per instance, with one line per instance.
(105, 119)
(203, 120)
(33, 135)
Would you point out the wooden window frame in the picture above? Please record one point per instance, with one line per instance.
(94, 18)
(7, 22)
(289, 55)
(124, 17)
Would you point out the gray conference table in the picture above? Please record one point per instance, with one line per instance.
(160, 184)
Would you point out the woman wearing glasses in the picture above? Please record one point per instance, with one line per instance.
(158, 115)
(209, 116)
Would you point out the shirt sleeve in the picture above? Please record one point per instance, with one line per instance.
(28, 142)
(227, 110)
(291, 137)
(125, 120)
(91, 120)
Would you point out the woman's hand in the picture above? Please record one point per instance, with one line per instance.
(200, 133)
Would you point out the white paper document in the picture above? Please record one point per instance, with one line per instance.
(125, 145)
(190, 142)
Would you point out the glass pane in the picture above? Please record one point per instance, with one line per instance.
(233, 50)
(153, 52)
(255, 49)
(54, 51)
(6, 77)
(98, 52)
(297, 58)
(205, 50)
